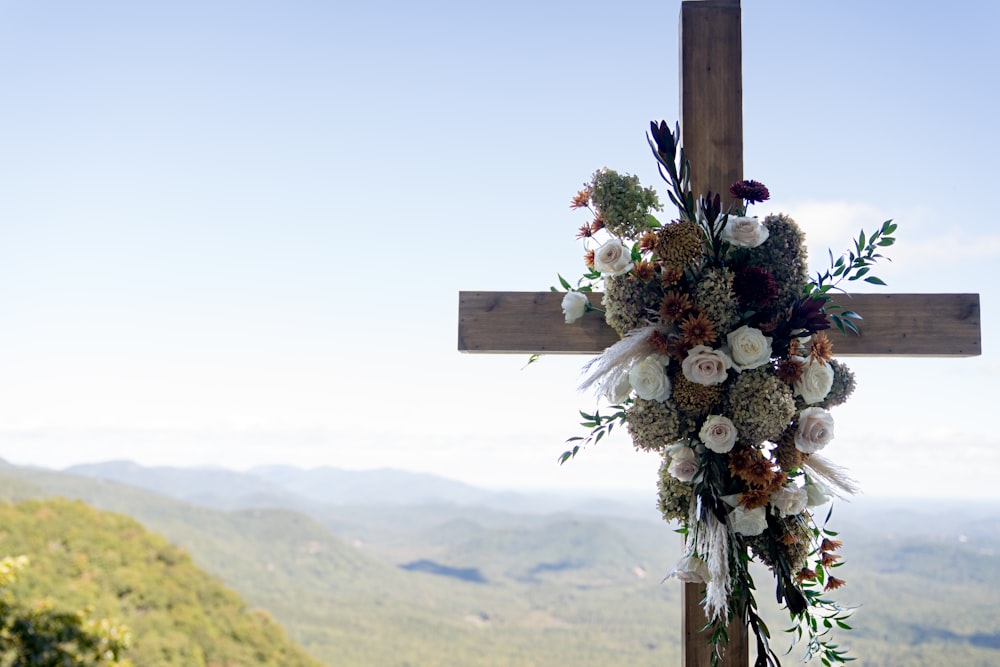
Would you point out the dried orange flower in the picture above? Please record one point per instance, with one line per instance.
(588, 259)
(789, 539)
(805, 574)
(822, 348)
(645, 271)
(661, 344)
(670, 275)
(674, 306)
(584, 232)
(581, 200)
(790, 370)
(698, 330)
(597, 225)
(829, 559)
(830, 545)
(752, 467)
(648, 242)
(833, 583)
(754, 498)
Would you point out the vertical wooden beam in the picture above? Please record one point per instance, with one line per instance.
(711, 78)
(711, 93)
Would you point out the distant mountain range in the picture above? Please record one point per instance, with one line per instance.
(387, 567)
(287, 486)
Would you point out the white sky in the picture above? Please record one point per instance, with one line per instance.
(234, 232)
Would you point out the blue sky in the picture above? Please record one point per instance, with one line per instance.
(234, 232)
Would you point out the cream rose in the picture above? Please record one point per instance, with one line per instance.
(818, 493)
(749, 348)
(613, 258)
(692, 570)
(649, 379)
(744, 232)
(684, 464)
(790, 500)
(748, 522)
(574, 305)
(718, 433)
(816, 381)
(815, 430)
(617, 389)
(704, 365)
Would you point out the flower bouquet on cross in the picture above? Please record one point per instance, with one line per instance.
(724, 369)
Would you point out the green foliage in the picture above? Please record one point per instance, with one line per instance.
(561, 590)
(855, 264)
(85, 559)
(41, 636)
(599, 426)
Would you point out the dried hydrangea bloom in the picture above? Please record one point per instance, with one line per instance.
(679, 244)
(629, 303)
(622, 203)
(674, 497)
(761, 405)
(786, 455)
(794, 549)
(715, 298)
(843, 385)
(784, 257)
(693, 398)
(653, 424)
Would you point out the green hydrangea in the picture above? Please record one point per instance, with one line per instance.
(622, 204)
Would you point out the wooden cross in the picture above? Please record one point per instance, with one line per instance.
(936, 325)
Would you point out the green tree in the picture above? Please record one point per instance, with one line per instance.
(41, 636)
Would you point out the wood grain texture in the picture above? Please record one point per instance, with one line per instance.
(694, 642)
(711, 94)
(912, 325)
(711, 80)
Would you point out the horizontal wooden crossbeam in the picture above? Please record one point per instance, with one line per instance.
(915, 325)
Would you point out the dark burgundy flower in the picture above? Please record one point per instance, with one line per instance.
(666, 141)
(712, 207)
(750, 191)
(808, 314)
(754, 287)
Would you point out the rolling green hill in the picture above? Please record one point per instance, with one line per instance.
(178, 615)
(450, 585)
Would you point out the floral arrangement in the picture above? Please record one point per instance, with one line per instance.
(725, 370)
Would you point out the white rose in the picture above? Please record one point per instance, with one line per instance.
(790, 500)
(748, 522)
(684, 464)
(718, 433)
(815, 430)
(744, 232)
(816, 381)
(706, 366)
(574, 305)
(749, 348)
(692, 570)
(617, 390)
(649, 379)
(613, 258)
(818, 493)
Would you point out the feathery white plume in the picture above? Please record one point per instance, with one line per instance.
(834, 476)
(611, 368)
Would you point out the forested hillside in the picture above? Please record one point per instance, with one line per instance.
(82, 558)
(448, 585)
